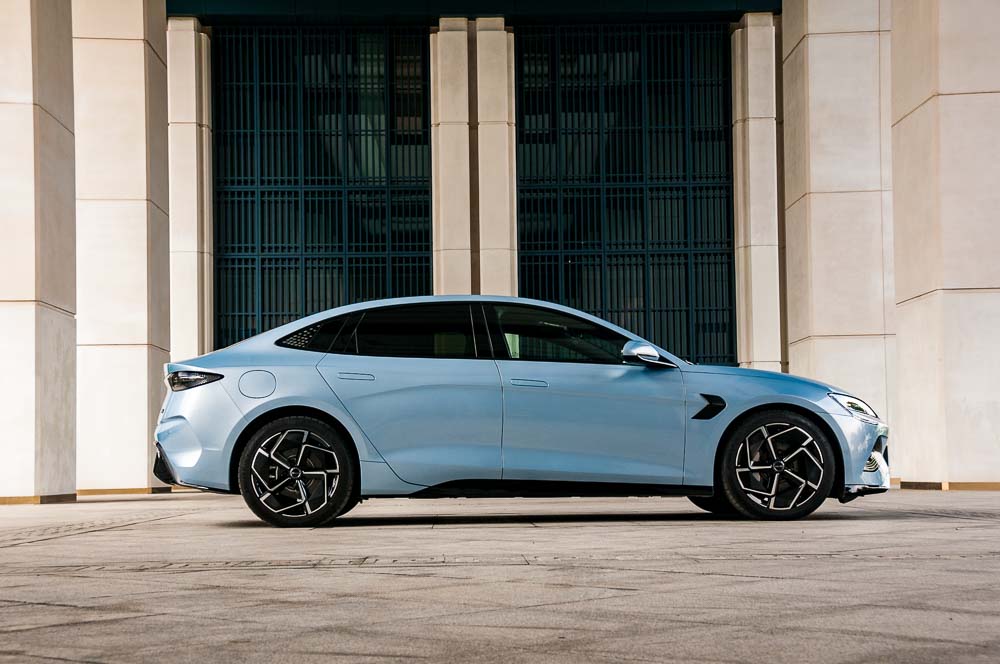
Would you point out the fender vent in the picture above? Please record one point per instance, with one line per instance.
(713, 406)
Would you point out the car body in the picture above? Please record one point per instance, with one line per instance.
(518, 405)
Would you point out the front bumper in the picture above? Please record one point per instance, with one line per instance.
(866, 457)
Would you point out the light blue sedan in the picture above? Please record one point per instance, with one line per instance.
(496, 396)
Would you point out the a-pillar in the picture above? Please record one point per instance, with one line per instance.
(755, 171)
(37, 253)
(945, 142)
(190, 139)
(838, 212)
(120, 79)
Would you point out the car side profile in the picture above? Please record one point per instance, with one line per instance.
(498, 396)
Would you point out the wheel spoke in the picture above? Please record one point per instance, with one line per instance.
(779, 466)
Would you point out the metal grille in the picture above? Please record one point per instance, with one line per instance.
(322, 171)
(624, 173)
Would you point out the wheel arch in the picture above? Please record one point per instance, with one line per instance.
(823, 425)
(288, 411)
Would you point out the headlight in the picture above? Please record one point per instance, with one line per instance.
(855, 407)
(185, 380)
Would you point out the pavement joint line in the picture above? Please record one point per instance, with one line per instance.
(87, 529)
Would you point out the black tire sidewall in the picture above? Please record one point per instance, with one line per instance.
(343, 494)
(727, 473)
(717, 504)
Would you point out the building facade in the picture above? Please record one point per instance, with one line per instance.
(803, 186)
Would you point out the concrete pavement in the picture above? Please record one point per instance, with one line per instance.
(908, 577)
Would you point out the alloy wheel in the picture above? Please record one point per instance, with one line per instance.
(780, 466)
(294, 473)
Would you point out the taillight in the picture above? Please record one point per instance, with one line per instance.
(185, 380)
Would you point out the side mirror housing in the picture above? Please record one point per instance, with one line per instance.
(640, 352)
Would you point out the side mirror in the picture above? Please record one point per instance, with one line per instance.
(640, 352)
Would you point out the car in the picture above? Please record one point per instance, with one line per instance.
(441, 396)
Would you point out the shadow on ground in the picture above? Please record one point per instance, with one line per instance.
(531, 519)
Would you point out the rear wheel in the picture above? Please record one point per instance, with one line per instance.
(297, 471)
(716, 504)
(777, 465)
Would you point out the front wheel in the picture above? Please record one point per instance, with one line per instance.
(297, 471)
(777, 465)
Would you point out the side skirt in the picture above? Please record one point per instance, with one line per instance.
(553, 489)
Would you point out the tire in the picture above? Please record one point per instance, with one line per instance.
(777, 465)
(297, 472)
(716, 504)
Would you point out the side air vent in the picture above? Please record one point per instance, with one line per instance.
(714, 405)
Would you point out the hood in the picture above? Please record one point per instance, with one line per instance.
(757, 374)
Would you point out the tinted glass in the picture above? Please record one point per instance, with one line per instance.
(542, 335)
(317, 337)
(423, 330)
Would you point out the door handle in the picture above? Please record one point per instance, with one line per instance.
(350, 375)
(528, 382)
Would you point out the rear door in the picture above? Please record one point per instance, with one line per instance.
(427, 396)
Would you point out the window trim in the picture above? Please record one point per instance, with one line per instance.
(501, 352)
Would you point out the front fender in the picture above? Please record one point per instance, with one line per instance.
(743, 395)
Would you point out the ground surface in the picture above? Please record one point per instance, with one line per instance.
(909, 577)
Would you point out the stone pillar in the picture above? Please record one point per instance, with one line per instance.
(838, 216)
(120, 78)
(37, 254)
(452, 206)
(945, 142)
(755, 171)
(189, 118)
(495, 187)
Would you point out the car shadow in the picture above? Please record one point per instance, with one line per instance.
(361, 521)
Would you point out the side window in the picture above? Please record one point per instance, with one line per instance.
(541, 335)
(316, 337)
(418, 330)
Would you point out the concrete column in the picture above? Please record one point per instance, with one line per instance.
(37, 254)
(190, 144)
(838, 214)
(120, 78)
(494, 132)
(452, 205)
(945, 142)
(755, 171)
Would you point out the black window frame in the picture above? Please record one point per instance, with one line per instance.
(350, 333)
(501, 352)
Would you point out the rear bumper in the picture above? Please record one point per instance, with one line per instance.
(161, 467)
(193, 436)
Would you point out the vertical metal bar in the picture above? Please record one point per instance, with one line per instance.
(258, 283)
(345, 280)
(301, 193)
(646, 135)
(602, 140)
(560, 221)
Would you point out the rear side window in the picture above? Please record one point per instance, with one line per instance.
(418, 330)
(316, 337)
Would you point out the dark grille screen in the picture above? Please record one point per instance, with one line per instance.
(624, 174)
(322, 171)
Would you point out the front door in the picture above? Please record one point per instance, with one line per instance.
(411, 377)
(574, 411)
